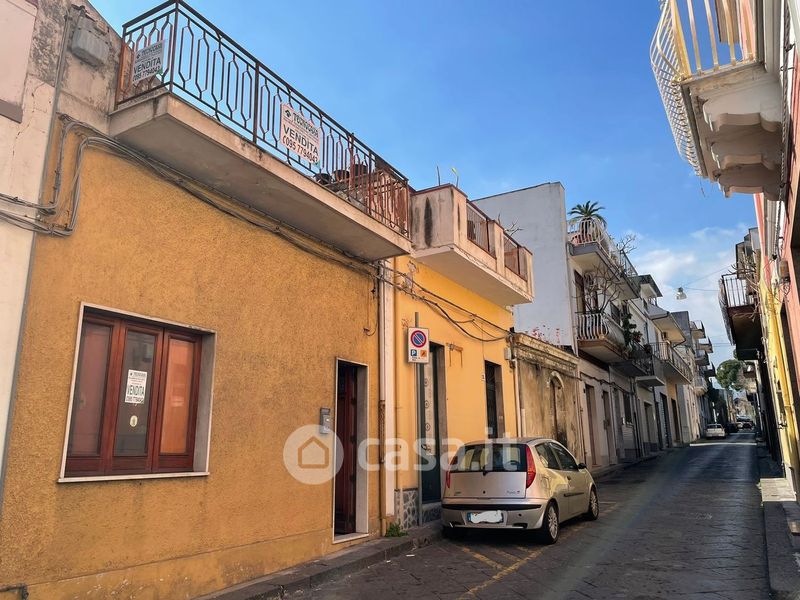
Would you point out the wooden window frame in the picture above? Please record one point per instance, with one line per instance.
(106, 462)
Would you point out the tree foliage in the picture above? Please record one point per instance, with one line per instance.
(587, 210)
(729, 374)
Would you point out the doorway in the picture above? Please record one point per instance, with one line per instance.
(678, 437)
(589, 391)
(494, 398)
(430, 392)
(350, 494)
(612, 446)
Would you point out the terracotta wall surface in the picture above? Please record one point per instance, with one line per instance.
(281, 316)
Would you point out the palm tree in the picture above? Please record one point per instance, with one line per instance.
(587, 210)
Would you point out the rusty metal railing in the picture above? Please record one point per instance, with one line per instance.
(514, 257)
(480, 229)
(208, 69)
(735, 292)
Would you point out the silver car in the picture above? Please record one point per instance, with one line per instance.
(518, 483)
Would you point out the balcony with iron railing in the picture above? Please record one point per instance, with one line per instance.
(454, 237)
(715, 64)
(678, 370)
(739, 303)
(600, 336)
(595, 250)
(193, 98)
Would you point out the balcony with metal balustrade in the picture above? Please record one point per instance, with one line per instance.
(455, 238)
(738, 299)
(716, 65)
(594, 250)
(215, 113)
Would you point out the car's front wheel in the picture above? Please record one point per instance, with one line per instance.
(548, 533)
(594, 507)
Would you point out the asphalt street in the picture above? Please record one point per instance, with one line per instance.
(686, 525)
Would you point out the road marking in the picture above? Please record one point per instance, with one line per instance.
(482, 558)
(505, 571)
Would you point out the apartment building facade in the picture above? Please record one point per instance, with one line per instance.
(631, 370)
(222, 292)
(457, 287)
(732, 105)
(174, 288)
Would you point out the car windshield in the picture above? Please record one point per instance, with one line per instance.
(491, 457)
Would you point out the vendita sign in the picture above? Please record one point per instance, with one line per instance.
(148, 61)
(299, 134)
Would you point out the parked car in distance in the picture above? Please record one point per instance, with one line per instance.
(732, 428)
(747, 425)
(714, 430)
(532, 484)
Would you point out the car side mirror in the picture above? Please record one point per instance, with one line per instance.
(581, 466)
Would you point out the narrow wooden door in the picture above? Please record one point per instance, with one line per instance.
(346, 431)
(491, 400)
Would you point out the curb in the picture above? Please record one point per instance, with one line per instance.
(782, 556)
(607, 472)
(308, 575)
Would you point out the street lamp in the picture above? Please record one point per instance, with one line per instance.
(681, 295)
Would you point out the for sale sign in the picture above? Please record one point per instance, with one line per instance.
(136, 387)
(299, 134)
(148, 61)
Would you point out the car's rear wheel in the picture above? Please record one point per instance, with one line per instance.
(594, 506)
(548, 532)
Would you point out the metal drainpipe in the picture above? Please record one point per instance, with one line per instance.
(382, 366)
(517, 392)
(68, 22)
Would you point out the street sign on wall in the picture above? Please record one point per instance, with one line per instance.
(418, 345)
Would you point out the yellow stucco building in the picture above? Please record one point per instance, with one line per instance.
(213, 351)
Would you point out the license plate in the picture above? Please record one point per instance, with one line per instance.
(485, 516)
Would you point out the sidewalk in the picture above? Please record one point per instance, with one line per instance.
(332, 566)
(781, 528)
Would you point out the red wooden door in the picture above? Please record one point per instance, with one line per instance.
(345, 482)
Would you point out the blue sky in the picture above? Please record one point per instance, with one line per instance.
(511, 94)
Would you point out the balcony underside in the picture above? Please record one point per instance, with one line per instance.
(470, 273)
(166, 128)
(631, 368)
(745, 328)
(602, 349)
(736, 119)
(592, 257)
(674, 375)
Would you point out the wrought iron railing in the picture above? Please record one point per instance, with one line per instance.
(599, 326)
(480, 230)
(591, 230)
(514, 257)
(735, 292)
(668, 354)
(722, 34)
(209, 70)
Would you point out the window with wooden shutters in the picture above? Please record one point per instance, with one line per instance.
(134, 407)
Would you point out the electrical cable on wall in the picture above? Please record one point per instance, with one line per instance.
(96, 139)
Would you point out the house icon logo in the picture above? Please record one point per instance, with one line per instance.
(311, 457)
(313, 454)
